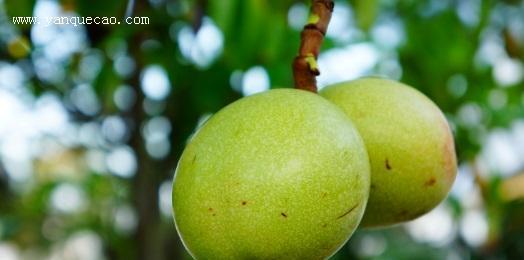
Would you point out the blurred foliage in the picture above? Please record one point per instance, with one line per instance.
(467, 56)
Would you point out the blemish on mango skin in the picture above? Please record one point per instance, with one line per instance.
(417, 214)
(244, 203)
(430, 182)
(348, 211)
(194, 160)
(388, 166)
(403, 213)
(449, 153)
(283, 215)
(450, 159)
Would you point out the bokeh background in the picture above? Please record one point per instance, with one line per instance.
(94, 118)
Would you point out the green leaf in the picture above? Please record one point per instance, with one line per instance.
(224, 13)
(100, 8)
(366, 12)
(20, 8)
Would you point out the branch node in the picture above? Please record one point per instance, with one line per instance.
(312, 64)
(313, 19)
(305, 66)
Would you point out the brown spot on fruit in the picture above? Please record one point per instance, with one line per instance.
(416, 214)
(324, 194)
(244, 203)
(448, 153)
(210, 209)
(388, 166)
(403, 215)
(348, 211)
(450, 160)
(430, 182)
(283, 214)
(214, 214)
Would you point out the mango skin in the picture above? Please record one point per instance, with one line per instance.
(278, 175)
(409, 143)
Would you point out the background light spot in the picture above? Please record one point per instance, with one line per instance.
(255, 80)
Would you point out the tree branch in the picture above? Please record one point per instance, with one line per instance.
(305, 68)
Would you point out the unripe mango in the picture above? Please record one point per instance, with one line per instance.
(410, 147)
(278, 175)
